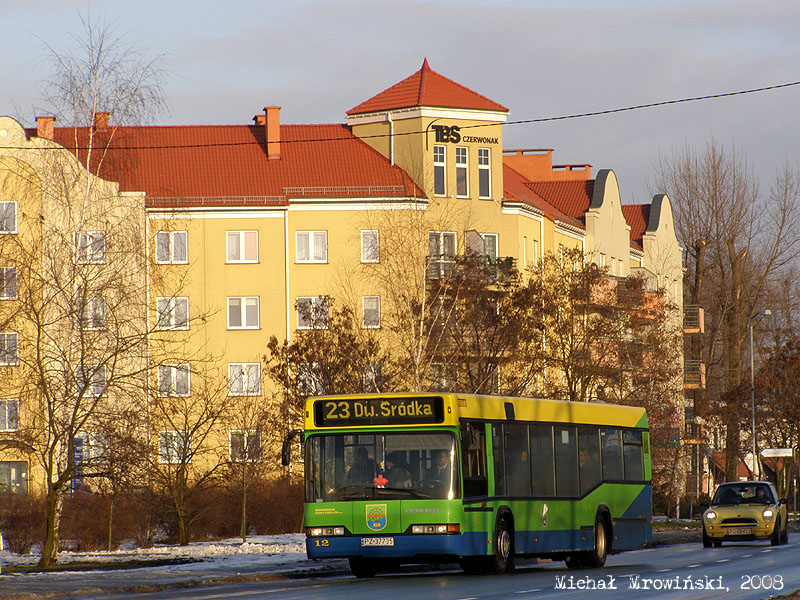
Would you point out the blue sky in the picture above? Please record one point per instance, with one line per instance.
(318, 58)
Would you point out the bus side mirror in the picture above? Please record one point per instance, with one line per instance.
(286, 449)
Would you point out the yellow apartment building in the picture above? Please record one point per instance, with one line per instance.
(252, 229)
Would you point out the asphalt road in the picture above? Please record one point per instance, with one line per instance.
(685, 571)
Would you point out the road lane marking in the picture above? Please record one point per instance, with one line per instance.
(746, 555)
(664, 570)
(529, 591)
(722, 560)
(692, 566)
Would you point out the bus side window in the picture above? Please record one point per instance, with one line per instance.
(566, 450)
(499, 460)
(473, 458)
(542, 460)
(632, 452)
(518, 467)
(611, 440)
(589, 458)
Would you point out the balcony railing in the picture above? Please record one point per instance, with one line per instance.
(486, 268)
(693, 319)
(694, 375)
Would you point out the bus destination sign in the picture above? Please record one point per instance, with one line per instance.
(346, 412)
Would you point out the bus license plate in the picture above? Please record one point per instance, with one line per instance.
(740, 530)
(377, 541)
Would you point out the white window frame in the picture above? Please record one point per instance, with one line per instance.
(316, 243)
(7, 358)
(88, 311)
(243, 313)
(246, 376)
(170, 445)
(99, 383)
(90, 247)
(167, 311)
(94, 446)
(462, 164)
(247, 435)
(3, 209)
(9, 408)
(309, 379)
(317, 303)
(370, 252)
(8, 283)
(171, 236)
(440, 162)
(169, 389)
(237, 240)
(364, 301)
(485, 164)
(490, 239)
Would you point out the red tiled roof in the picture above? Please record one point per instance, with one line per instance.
(637, 216)
(231, 161)
(515, 187)
(570, 197)
(426, 87)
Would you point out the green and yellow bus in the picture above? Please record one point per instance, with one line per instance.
(408, 478)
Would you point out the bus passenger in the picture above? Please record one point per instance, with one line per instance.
(363, 470)
(396, 471)
(438, 477)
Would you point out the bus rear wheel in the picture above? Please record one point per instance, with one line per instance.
(502, 561)
(594, 558)
(363, 567)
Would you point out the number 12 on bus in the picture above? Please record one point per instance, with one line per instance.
(408, 478)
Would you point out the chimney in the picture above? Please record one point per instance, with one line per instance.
(101, 121)
(273, 131)
(45, 127)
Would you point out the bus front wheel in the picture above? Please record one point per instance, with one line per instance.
(502, 560)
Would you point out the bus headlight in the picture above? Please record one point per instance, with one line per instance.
(324, 531)
(435, 528)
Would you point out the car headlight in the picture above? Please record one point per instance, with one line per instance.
(768, 514)
(710, 515)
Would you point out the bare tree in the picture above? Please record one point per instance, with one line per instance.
(738, 240)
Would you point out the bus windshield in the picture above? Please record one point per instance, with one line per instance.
(401, 465)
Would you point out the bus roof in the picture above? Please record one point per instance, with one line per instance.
(491, 408)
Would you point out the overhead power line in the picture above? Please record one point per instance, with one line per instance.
(519, 122)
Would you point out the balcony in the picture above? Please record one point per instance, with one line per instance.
(693, 319)
(483, 268)
(694, 375)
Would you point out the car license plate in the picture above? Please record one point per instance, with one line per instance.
(377, 541)
(740, 530)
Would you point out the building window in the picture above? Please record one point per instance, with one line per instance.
(90, 447)
(9, 348)
(462, 170)
(373, 380)
(490, 247)
(171, 247)
(13, 477)
(535, 260)
(439, 183)
(243, 312)
(174, 380)
(8, 283)
(8, 217)
(245, 446)
(312, 312)
(174, 447)
(310, 381)
(242, 246)
(244, 379)
(442, 253)
(484, 173)
(370, 246)
(371, 307)
(173, 313)
(312, 246)
(9, 414)
(90, 247)
(90, 313)
(90, 380)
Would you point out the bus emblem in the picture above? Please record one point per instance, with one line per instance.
(376, 516)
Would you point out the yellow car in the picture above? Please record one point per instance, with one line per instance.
(744, 511)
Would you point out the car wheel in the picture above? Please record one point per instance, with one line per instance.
(776, 536)
(706, 539)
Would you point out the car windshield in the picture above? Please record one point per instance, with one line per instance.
(744, 493)
(399, 465)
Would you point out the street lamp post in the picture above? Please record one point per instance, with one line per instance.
(766, 312)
